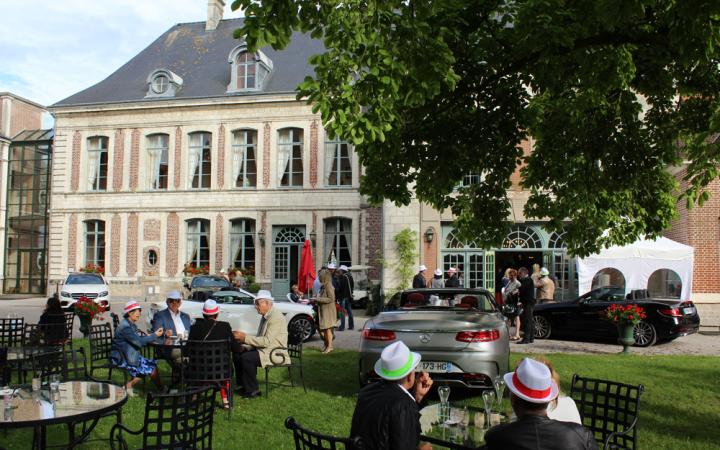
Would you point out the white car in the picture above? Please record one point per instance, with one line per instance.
(80, 284)
(238, 308)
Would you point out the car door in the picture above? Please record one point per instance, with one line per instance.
(590, 318)
(241, 313)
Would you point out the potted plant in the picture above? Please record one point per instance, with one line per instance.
(625, 317)
(86, 310)
(93, 268)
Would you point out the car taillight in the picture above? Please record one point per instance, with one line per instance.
(478, 336)
(378, 335)
(670, 312)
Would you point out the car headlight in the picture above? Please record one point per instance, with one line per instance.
(103, 294)
(65, 294)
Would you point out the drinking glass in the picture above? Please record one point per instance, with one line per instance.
(444, 393)
(54, 383)
(499, 384)
(488, 400)
(36, 384)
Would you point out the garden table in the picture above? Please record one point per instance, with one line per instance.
(75, 401)
(463, 429)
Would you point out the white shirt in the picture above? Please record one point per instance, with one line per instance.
(406, 391)
(179, 326)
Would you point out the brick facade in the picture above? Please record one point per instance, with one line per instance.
(373, 231)
(118, 156)
(221, 157)
(178, 157)
(266, 155)
(148, 269)
(430, 251)
(75, 174)
(134, 159)
(515, 178)
(132, 244)
(314, 153)
(151, 230)
(172, 244)
(72, 241)
(115, 245)
(263, 229)
(219, 221)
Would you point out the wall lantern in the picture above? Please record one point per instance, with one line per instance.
(261, 237)
(313, 237)
(429, 235)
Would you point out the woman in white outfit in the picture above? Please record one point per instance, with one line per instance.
(563, 408)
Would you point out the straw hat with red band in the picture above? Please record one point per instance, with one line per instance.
(210, 308)
(130, 306)
(532, 382)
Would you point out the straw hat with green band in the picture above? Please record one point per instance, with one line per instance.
(396, 361)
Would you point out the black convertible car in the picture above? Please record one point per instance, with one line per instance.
(585, 317)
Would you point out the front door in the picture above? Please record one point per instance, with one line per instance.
(287, 248)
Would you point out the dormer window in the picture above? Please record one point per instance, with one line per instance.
(163, 83)
(249, 71)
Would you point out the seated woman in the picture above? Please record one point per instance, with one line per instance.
(52, 322)
(125, 351)
(563, 408)
(210, 329)
(295, 295)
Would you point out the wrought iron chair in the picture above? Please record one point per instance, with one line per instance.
(310, 440)
(12, 332)
(100, 338)
(208, 363)
(181, 420)
(44, 334)
(69, 324)
(5, 371)
(294, 350)
(609, 409)
(49, 363)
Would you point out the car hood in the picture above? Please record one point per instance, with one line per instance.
(80, 288)
(452, 320)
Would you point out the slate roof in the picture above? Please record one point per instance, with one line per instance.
(201, 58)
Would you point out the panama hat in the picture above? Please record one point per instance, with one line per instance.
(331, 266)
(422, 267)
(132, 305)
(173, 295)
(343, 267)
(396, 361)
(532, 382)
(438, 273)
(210, 308)
(544, 272)
(452, 270)
(263, 295)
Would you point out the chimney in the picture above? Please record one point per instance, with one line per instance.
(215, 14)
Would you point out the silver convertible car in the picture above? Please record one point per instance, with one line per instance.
(460, 333)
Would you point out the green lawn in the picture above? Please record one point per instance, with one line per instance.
(680, 408)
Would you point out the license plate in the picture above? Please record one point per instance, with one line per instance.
(435, 367)
(690, 310)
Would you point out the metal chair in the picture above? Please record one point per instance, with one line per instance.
(172, 421)
(294, 350)
(100, 338)
(69, 325)
(49, 363)
(5, 371)
(11, 332)
(76, 365)
(310, 440)
(208, 363)
(609, 409)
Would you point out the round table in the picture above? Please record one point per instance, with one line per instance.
(76, 401)
(464, 430)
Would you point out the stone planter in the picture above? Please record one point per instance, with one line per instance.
(625, 336)
(85, 323)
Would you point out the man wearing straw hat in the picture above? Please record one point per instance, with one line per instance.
(531, 390)
(419, 281)
(386, 415)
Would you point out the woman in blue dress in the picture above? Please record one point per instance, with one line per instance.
(125, 352)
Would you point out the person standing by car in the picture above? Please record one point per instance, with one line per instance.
(347, 285)
(453, 281)
(419, 279)
(527, 298)
(545, 287)
(437, 281)
(511, 310)
(326, 309)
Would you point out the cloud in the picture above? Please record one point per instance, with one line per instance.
(51, 50)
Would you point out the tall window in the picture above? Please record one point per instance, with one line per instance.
(338, 240)
(243, 163)
(199, 167)
(242, 243)
(198, 242)
(95, 242)
(246, 71)
(290, 153)
(157, 148)
(338, 164)
(97, 163)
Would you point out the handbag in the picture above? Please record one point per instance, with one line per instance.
(509, 310)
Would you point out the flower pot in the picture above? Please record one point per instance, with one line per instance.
(625, 336)
(85, 323)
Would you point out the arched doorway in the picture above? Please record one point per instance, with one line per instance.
(287, 246)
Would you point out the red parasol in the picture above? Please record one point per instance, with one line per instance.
(306, 274)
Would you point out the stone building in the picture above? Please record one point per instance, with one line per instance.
(197, 153)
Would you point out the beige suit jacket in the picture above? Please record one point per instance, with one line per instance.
(274, 335)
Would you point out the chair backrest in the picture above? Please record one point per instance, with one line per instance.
(289, 297)
(100, 338)
(609, 409)
(310, 440)
(206, 361)
(181, 420)
(44, 334)
(416, 299)
(4, 367)
(469, 301)
(76, 364)
(69, 323)
(11, 332)
(48, 363)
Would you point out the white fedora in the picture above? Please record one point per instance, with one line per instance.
(263, 295)
(132, 305)
(532, 382)
(396, 361)
(452, 270)
(343, 267)
(422, 267)
(210, 308)
(438, 273)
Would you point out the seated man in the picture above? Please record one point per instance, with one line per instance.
(272, 333)
(531, 389)
(210, 329)
(173, 321)
(386, 415)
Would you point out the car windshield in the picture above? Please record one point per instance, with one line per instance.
(605, 294)
(210, 282)
(85, 278)
(447, 300)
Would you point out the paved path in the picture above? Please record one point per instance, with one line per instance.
(696, 344)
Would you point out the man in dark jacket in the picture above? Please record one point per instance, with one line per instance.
(345, 295)
(527, 298)
(419, 281)
(386, 415)
(531, 389)
(452, 281)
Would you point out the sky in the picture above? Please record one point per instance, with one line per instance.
(50, 50)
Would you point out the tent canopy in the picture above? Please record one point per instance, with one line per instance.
(638, 261)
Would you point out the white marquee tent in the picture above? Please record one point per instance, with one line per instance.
(638, 261)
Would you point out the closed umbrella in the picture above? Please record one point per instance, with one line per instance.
(306, 274)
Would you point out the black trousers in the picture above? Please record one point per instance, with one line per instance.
(246, 364)
(528, 325)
